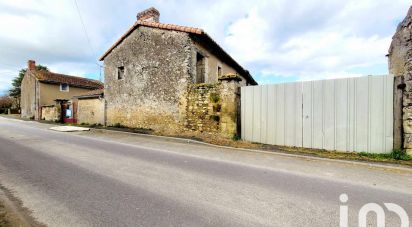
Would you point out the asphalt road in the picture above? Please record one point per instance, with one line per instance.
(115, 179)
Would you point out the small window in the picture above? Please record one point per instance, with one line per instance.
(200, 68)
(120, 72)
(64, 87)
(219, 72)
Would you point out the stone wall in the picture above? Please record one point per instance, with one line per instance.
(400, 65)
(51, 113)
(90, 111)
(28, 101)
(212, 108)
(230, 113)
(203, 108)
(156, 74)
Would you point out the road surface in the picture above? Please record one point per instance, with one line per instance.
(100, 178)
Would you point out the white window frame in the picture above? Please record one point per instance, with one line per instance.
(61, 88)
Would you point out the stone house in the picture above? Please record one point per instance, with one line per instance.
(400, 66)
(43, 93)
(171, 78)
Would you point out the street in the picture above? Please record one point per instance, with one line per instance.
(102, 178)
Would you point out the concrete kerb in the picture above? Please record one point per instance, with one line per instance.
(364, 163)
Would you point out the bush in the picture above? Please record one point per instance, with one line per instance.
(396, 154)
(214, 97)
(118, 125)
(236, 137)
(400, 155)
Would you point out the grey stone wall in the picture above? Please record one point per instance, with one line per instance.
(400, 65)
(156, 74)
(213, 108)
(28, 101)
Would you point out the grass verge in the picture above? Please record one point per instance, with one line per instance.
(4, 220)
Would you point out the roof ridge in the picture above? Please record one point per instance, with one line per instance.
(58, 78)
(168, 26)
(65, 75)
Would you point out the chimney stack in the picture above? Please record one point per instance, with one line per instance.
(31, 65)
(149, 15)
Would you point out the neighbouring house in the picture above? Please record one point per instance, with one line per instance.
(171, 78)
(90, 107)
(400, 66)
(46, 95)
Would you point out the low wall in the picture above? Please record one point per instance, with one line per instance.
(50, 113)
(212, 108)
(90, 111)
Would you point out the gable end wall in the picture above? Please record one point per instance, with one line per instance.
(156, 75)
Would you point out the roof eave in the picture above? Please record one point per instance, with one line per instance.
(245, 74)
(88, 96)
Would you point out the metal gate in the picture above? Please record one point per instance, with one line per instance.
(351, 114)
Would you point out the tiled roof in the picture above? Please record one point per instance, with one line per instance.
(50, 77)
(195, 31)
(93, 93)
(138, 23)
(171, 27)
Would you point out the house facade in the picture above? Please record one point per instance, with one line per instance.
(43, 93)
(171, 78)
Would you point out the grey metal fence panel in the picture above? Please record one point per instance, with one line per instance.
(352, 114)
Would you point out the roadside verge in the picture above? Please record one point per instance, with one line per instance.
(12, 212)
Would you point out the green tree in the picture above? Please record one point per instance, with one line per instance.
(15, 91)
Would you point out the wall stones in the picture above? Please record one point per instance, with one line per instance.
(401, 44)
(203, 108)
(400, 65)
(213, 108)
(90, 111)
(156, 75)
(51, 113)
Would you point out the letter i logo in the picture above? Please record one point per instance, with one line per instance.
(343, 222)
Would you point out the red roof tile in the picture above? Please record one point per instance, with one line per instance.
(171, 27)
(50, 77)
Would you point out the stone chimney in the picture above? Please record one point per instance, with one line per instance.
(149, 15)
(31, 65)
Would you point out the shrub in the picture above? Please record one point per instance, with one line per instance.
(399, 154)
(236, 137)
(118, 125)
(214, 97)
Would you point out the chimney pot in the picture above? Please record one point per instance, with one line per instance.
(149, 15)
(31, 65)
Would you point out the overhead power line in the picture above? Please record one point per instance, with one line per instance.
(88, 38)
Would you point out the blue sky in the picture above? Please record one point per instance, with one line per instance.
(277, 41)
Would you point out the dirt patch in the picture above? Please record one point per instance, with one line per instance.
(12, 212)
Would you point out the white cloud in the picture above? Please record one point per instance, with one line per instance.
(272, 38)
(348, 43)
